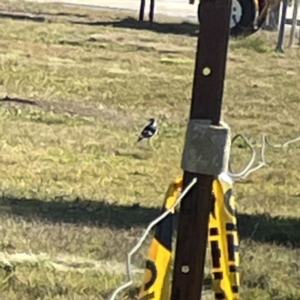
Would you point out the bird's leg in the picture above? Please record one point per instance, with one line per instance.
(151, 144)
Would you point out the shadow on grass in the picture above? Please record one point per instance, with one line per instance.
(257, 227)
(184, 28)
(18, 100)
(36, 17)
(264, 228)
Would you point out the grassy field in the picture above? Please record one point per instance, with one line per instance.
(77, 192)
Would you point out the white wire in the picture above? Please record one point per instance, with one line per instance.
(227, 147)
(251, 162)
(144, 236)
(248, 169)
(262, 162)
(285, 144)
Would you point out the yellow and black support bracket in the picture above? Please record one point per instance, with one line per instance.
(156, 281)
(223, 241)
(222, 238)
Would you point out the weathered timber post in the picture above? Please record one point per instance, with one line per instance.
(203, 151)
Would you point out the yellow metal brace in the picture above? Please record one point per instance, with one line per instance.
(156, 283)
(222, 238)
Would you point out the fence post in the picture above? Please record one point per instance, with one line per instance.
(294, 23)
(282, 25)
(206, 105)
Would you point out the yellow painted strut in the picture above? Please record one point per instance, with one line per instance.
(222, 238)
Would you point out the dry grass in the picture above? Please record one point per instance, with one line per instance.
(76, 190)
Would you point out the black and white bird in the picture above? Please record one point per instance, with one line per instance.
(148, 131)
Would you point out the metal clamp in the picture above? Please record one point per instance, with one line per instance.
(205, 148)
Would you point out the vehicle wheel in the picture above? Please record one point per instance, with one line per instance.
(242, 17)
(247, 16)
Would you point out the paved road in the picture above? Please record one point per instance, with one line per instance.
(178, 8)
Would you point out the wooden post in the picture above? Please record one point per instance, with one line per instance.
(279, 46)
(294, 23)
(206, 104)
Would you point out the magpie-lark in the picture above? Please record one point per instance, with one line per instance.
(148, 131)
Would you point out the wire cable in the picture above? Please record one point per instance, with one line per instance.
(143, 238)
